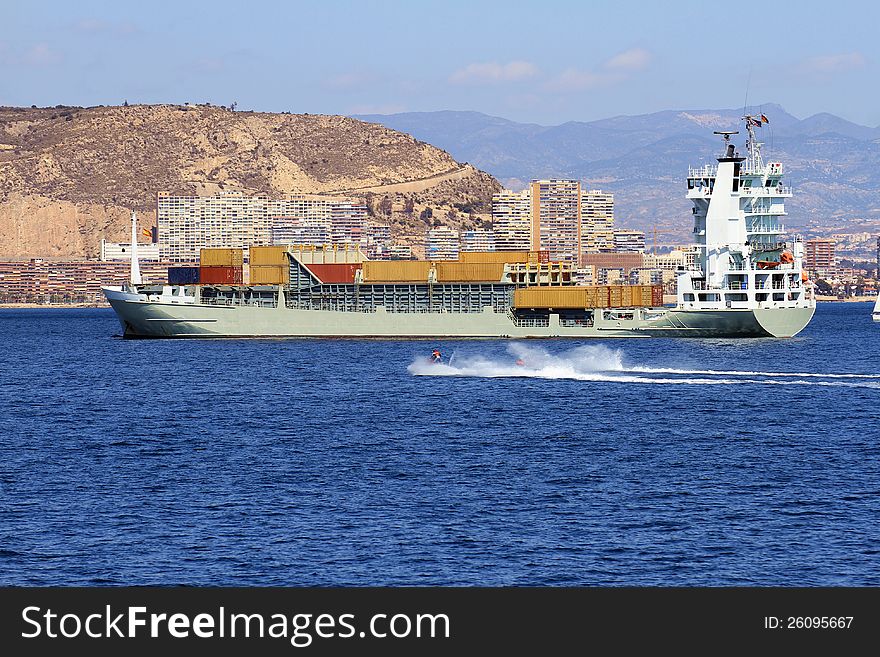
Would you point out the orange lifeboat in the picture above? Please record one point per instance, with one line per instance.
(786, 258)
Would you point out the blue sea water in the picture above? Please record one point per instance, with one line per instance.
(314, 462)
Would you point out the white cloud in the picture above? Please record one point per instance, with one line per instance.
(494, 72)
(835, 63)
(616, 69)
(634, 59)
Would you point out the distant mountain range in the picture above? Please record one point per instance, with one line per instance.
(833, 164)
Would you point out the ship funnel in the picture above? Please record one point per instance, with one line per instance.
(135, 276)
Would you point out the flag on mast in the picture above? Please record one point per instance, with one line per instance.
(764, 119)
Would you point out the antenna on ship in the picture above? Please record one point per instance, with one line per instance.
(135, 274)
(753, 146)
(728, 147)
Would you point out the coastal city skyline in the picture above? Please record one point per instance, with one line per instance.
(582, 63)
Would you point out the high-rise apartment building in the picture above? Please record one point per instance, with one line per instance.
(556, 216)
(819, 256)
(186, 224)
(629, 241)
(477, 239)
(228, 219)
(512, 220)
(441, 243)
(597, 221)
(556, 219)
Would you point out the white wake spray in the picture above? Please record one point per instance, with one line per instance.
(600, 363)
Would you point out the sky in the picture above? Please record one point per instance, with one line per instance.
(542, 62)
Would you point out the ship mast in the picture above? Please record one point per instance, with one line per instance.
(135, 274)
(753, 146)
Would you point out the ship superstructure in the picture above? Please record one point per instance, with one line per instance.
(743, 261)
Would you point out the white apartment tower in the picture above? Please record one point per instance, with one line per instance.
(232, 219)
(556, 219)
(441, 243)
(512, 220)
(477, 239)
(597, 221)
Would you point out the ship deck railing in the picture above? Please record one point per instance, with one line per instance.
(528, 322)
(754, 267)
(779, 190)
(766, 286)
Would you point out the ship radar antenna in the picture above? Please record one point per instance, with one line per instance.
(728, 147)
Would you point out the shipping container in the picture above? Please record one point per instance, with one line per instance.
(657, 296)
(183, 275)
(216, 275)
(221, 257)
(269, 274)
(394, 271)
(615, 296)
(647, 295)
(575, 296)
(269, 255)
(335, 273)
(464, 272)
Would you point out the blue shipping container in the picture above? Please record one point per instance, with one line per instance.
(183, 275)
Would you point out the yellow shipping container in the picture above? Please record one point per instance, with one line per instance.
(269, 255)
(615, 296)
(465, 272)
(575, 296)
(269, 274)
(493, 256)
(221, 257)
(396, 271)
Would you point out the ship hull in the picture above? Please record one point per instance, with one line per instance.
(734, 323)
(142, 318)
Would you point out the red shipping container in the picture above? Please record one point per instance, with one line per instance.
(217, 275)
(657, 296)
(335, 272)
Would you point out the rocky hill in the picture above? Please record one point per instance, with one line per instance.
(70, 176)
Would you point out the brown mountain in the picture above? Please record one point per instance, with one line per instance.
(69, 176)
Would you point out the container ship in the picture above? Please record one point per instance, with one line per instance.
(745, 281)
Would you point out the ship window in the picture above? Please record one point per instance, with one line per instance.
(710, 296)
(688, 296)
(690, 183)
